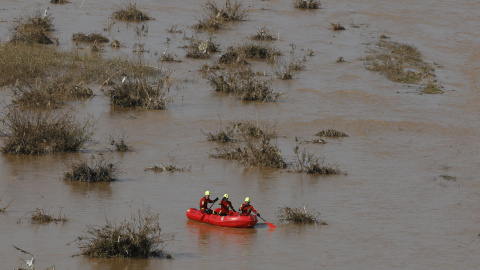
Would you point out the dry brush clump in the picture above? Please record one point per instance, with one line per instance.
(50, 93)
(92, 37)
(130, 12)
(214, 16)
(308, 163)
(306, 4)
(299, 215)
(286, 70)
(41, 216)
(32, 29)
(144, 91)
(43, 132)
(243, 84)
(336, 26)
(252, 146)
(201, 49)
(235, 131)
(59, 1)
(120, 144)
(170, 167)
(98, 170)
(400, 62)
(332, 133)
(137, 237)
(264, 35)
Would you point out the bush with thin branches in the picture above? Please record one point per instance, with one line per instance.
(138, 237)
(37, 132)
(299, 215)
(98, 170)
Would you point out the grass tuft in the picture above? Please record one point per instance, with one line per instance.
(308, 163)
(130, 12)
(93, 37)
(36, 132)
(332, 133)
(264, 35)
(138, 237)
(299, 215)
(306, 4)
(214, 16)
(41, 216)
(32, 29)
(98, 170)
(337, 27)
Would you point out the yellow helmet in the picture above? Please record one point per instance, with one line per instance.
(225, 196)
(247, 199)
(207, 193)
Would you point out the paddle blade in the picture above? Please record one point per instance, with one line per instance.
(271, 225)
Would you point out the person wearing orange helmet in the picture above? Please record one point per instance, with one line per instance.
(246, 208)
(224, 205)
(204, 203)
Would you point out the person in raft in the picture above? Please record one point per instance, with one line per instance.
(224, 205)
(204, 203)
(246, 208)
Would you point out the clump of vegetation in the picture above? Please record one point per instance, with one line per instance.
(242, 83)
(50, 93)
(308, 163)
(252, 147)
(41, 216)
(139, 237)
(400, 63)
(164, 168)
(130, 12)
(32, 29)
(286, 70)
(259, 51)
(432, 88)
(59, 1)
(299, 215)
(120, 144)
(36, 132)
(168, 57)
(92, 37)
(264, 35)
(306, 4)
(337, 27)
(340, 59)
(201, 49)
(98, 170)
(235, 131)
(214, 16)
(331, 133)
(141, 93)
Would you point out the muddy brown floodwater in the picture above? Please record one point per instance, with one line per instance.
(396, 209)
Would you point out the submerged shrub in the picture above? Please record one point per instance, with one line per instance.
(286, 70)
(299, 215)
(214, 16)
(201, 49)
(264, 35)
(235, 131)
(32, 29)
(36, 132)
(92, 37)
(50, 93)
(98, 170)
(306, 4)
(253, 146)
(308, 163)
(242, 83)
(139, 237)
(331, 133)
(42, 216)
(337, 27)
(130, 12)
(399, 62)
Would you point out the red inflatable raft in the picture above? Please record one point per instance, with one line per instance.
(233, 220)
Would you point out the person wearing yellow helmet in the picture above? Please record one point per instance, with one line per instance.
(224, 205)
(204, 203)
(246, 208)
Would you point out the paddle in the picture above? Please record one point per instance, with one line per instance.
(268, 223)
